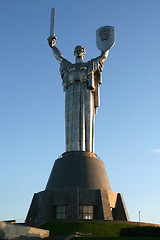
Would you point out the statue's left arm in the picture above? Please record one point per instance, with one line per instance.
(96, 64)
(95, 67)
(103, 56)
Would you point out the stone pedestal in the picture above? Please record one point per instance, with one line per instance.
(78, 189)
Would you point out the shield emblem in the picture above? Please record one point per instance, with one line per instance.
(105, 38)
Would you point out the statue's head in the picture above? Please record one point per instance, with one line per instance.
(79, 52)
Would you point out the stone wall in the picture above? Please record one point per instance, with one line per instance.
(14, 231)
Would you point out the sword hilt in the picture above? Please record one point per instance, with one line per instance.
(51, 41)
(50, 38)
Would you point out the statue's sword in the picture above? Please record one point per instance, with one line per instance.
(52, 26)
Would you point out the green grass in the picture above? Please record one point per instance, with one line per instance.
(98, 229)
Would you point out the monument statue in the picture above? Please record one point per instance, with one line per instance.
(78, 187)
(81, 82)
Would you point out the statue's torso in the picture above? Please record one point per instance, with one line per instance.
(79, 109)
(77, 72)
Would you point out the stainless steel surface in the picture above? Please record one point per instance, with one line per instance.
(52, 25)
(82, 96)
(105, 38)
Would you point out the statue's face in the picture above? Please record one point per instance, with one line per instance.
(79, 52)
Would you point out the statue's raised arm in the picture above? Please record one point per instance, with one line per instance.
(52, 43)
(105, 39)
(103, 56)
(52, 38)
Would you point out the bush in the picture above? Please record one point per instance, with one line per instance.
(147, 231)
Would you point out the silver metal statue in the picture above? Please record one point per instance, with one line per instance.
(81, 82)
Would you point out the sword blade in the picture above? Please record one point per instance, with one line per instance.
(52, 26)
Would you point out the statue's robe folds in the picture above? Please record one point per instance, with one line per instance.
(81, 85)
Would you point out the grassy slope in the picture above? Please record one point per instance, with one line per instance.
(98, 229)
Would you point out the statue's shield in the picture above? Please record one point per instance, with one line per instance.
(105, 38)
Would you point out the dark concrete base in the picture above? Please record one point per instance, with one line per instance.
(78, 170)
(78, 179)
(107, 205)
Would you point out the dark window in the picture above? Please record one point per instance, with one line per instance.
(61, 212)
(86, 212)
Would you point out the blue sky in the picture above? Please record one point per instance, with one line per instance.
(32, 100)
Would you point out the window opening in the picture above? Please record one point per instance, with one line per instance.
(61, 212)
(86, 212)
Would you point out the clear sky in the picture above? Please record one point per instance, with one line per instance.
(32, 100)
